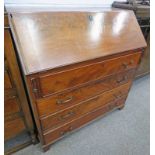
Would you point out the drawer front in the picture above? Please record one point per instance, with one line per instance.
(11, 106)
(84, 107)
(52, 83)
(53, 135)
(69, 98)
(13, 128)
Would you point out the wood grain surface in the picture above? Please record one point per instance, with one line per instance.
(77, 65)
(61, 131)
(60, 118)
(63, 100)
(52, 83)
(53, 39)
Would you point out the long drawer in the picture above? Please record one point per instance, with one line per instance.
(82, 108)
(69, 98)
(50, 83)
(55, 134)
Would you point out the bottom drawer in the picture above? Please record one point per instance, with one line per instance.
(53, 135)
(13, 128)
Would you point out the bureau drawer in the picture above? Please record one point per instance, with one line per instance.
(11, 106)
(82, 108)
(68, 98)
(13, 128)
(56, 82)
(52, 135)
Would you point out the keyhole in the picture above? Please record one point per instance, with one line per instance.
(90, 18)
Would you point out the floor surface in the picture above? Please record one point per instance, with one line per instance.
(124, 132)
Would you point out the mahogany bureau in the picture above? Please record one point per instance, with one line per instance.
(77, 65)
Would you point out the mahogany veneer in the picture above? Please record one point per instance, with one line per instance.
(77, 65)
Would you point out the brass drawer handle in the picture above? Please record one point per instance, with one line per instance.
(126, 65)
(69, 114)
(111, 106)
(62, 133)
(122, 80)
(118, 96)
(61, 101)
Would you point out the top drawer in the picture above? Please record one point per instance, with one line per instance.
(55, 82)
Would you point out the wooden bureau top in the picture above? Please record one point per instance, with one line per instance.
(54, 39)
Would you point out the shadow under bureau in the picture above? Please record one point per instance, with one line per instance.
(77, 65)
